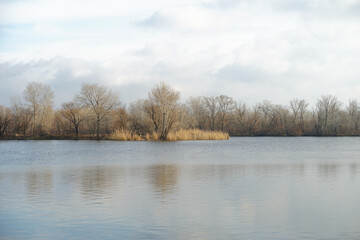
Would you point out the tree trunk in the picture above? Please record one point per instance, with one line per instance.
(76, 131)
(98, 129)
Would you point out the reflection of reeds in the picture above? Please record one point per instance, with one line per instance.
(124, 135)
(196, 134)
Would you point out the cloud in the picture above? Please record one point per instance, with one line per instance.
(225, 3)
(241, 73)
(63, 75)
(191, 19)
(158, 19)
(255, 49)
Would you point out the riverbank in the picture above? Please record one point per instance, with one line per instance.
(177, 136)
(125, 135)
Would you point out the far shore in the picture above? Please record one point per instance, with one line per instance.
(108, 138)
(125, 135)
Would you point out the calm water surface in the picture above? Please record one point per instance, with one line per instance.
(244, 188)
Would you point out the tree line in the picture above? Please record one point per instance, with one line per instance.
(96, 111)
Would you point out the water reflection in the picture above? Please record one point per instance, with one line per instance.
(164, 178)
(96, 182)
(99, 181)
(39, 183)
(190, 191)
(354, 170)
(220, 172)
(328, 171)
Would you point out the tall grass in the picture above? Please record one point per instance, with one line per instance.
(124, 135)
(181, 135)
(196, 134)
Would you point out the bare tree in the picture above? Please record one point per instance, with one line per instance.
(198, 111)
(213, 110)
(5, 118)
(280, 120)
(74, 114)
(39, 98)
(353, 110)
(184, 119)
(252, 122)
(121, 118)
(138, 118)
(21, 116)
(325, 115)
(100, 100)
(61, 125)
(162, 107)
(298, 110)
(265, 109)
(226, 106)
(240, 113)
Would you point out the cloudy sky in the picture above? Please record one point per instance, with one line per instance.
(250, 50)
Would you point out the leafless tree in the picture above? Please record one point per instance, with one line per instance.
(100, 100)
(198, 111)
(298, 109)
(185, 120)
(264, 109)
(226, 107)
(252, 122)
(21, 116)
(162, 107)
(325, 115)
(39, 98)
(74, 114)
(240, 114)
(353, 110)
(213, 110)
(138, 118)
(5, 118)
(121, 117)
(280, 120)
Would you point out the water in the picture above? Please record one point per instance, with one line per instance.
(244, 188)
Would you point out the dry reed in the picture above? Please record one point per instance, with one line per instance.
(181, 135)
(196, 134)
(124, 135)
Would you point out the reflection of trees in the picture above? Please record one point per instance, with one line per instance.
(96, 182)
(354, 169)
(39, 183)
(224, 172)
(271, 169)
(217, 171)
(327, 171)
(164, 177)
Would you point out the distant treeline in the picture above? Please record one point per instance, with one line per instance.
(96, 112)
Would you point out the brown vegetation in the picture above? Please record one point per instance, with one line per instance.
(96, 113)
(124, 135)
(181, 135)
(196, 134)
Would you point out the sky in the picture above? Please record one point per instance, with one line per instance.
(250, 50)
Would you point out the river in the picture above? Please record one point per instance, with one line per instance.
(244, 188)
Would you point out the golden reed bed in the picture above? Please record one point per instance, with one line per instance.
(181, 135)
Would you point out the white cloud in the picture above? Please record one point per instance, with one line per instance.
(192, 19)
(246, 49)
